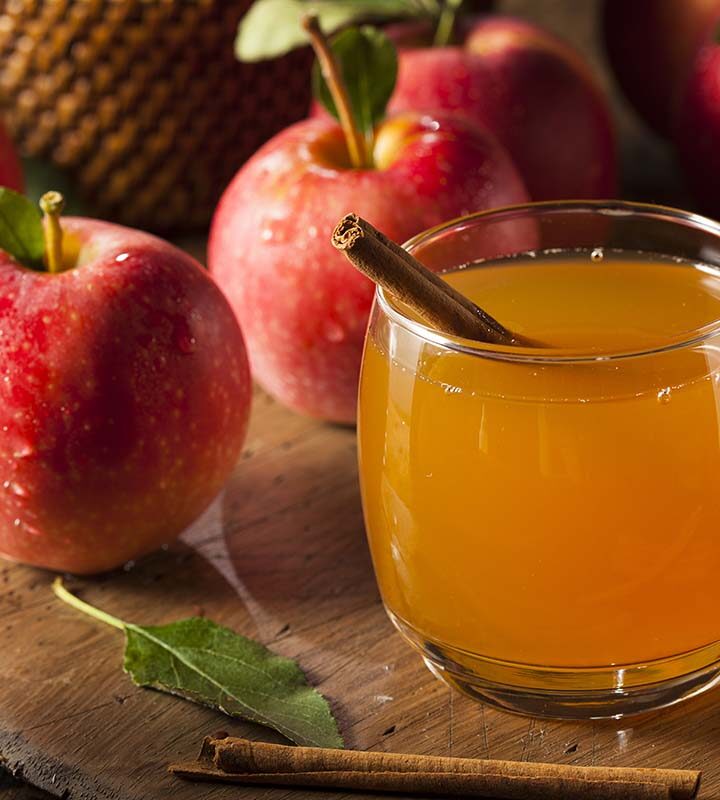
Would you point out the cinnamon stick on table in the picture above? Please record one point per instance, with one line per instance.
(242, 761)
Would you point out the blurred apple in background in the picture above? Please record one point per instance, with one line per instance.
(303, 308)
(124, 394)
(698, 126)
(651, 46)
(11, 175)
(531, 89)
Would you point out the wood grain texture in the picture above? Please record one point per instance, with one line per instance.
(281, 556)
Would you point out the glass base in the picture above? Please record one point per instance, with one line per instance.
(569, 693)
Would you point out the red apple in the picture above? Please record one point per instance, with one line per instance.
(651, 45)
(303, 308)
(124, 395)
(10, 170)
(533, 91)
(698, 128)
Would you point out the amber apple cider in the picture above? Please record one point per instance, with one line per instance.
(557, 507)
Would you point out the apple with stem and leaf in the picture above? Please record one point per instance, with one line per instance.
(124, 389)
(532, 90)
(303, 308)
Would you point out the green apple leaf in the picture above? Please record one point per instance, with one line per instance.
(272, 28)
(21, 229)
(212, 665)
(368, 65)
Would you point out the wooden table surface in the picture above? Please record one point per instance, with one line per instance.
(281, 556)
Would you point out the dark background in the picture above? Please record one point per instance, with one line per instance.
(647, 165)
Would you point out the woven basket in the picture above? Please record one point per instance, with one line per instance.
(143, 103)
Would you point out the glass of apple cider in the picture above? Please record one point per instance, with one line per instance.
(545, 523)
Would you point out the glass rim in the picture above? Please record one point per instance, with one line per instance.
(536, 355)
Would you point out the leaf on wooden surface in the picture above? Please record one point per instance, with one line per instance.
(212, 665)
(205, 662)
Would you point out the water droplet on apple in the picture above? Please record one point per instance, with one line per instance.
(274, 230)
(184, 340)
(17, 522)
(186, 344)
(122, 257)
(31, 529)
(333, 332)
(17, 489)
(24, 450)
(430, 123)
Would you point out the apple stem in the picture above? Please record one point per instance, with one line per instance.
(52, 204)
(68, 597)
(356, 144)
(446, 23)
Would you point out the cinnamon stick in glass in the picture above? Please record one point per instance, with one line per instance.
(434, 300)
(256, 763)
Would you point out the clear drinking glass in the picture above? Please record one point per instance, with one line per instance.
(545, 524)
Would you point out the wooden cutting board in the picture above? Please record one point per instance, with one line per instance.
(281, 556)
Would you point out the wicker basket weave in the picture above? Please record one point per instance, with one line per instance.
(142, 102)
